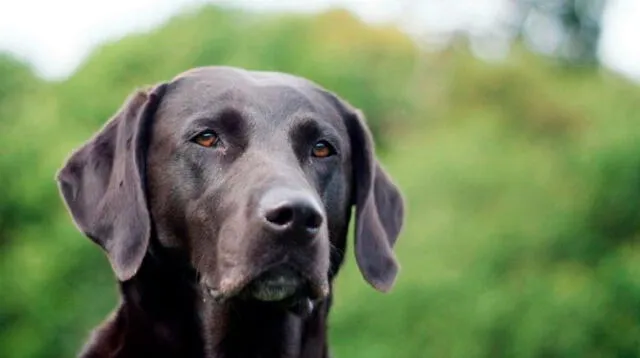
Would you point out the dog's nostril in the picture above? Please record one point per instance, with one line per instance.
(296, 217)
(281, 216)
(314, 221)
(292, 214)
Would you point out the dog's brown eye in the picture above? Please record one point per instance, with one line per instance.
(207, 139)
(322, 149)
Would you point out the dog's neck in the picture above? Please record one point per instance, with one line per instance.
(160, 303)
(157, 317)
(163, 314)
(253, 329)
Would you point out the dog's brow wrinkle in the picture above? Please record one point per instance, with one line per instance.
(306, 124)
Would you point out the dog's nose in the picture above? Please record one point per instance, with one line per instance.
(288, 211)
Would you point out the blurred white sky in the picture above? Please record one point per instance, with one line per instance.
(55, 36)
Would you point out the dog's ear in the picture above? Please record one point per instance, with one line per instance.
(379, 208)
(103, 184)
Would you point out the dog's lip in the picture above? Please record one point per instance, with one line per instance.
(229, 287)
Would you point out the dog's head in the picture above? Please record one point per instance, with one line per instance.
(251, 175)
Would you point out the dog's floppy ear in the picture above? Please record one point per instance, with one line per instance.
(379, 208)
(103, 184)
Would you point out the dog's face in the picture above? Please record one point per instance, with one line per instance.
(251, 175)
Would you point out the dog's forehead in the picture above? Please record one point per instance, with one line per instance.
(267, 95)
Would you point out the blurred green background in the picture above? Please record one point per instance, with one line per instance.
(522, 180)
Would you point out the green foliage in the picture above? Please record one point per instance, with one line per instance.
(522, 182)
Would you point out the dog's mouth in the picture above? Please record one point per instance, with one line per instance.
(281, 285)
(277, 284)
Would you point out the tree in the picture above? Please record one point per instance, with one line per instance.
(567, 29)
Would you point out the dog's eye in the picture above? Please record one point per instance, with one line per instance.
(207, 139)
(323, 149)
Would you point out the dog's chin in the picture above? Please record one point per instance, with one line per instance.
(285, 288)
(276, 285)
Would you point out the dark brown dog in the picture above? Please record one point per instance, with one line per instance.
(222, 199)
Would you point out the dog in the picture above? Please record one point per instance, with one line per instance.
(222, 199)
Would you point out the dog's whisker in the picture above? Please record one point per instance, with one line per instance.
(334, 250)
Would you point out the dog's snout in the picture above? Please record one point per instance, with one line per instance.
(287, 211)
